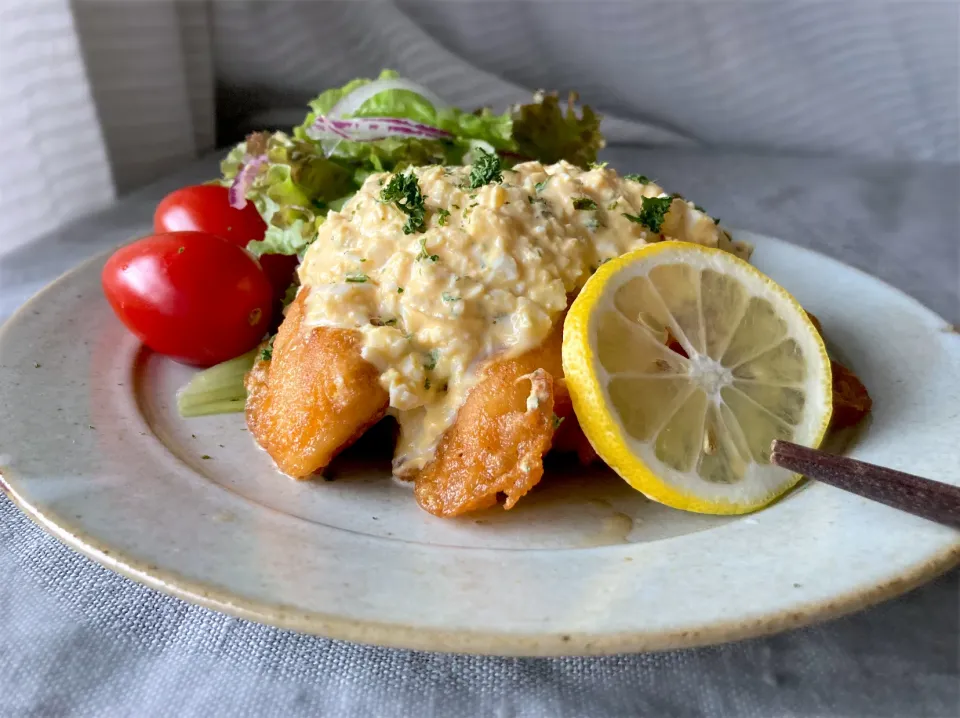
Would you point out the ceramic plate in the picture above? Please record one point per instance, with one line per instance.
(92, 449)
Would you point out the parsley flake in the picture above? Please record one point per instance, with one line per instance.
(442, 215)
(598, 165)
(356, 278)
(431, 361)
(424, 254)
(652, 212)
(642, 179)
(399, 290)
(486, 169)
(584, 203)
(539, 186)
(404, 191)
(266, 354)
(557, 420)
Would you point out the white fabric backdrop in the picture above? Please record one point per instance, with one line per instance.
(101, 96)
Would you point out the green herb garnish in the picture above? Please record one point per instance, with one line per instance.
(539, 186)
(652, 212)
(447, 297)
(404, 191)
(266, 354)
(584, 203)
(486, 169)
(356, 278)
(642, 179)
(431, 362)
(557, 420)
(442, 215)
(399, 290)
(598, 165)
(424, 254)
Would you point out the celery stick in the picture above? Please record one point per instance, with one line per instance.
(217, 390)
(231, 406)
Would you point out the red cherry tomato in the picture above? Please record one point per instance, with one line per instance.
(190, 295)
(206, 208)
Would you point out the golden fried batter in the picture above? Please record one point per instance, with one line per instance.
(497, 443)
(315, 397)
(851, 402)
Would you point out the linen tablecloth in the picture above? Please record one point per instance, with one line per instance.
(77, 640)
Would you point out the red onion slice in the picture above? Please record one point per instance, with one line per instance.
(237, 193)
(353, 101)
(371, 129)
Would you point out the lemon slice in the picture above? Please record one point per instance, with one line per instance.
(684, 363)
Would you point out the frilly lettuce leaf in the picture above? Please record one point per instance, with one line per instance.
(544, 132)
(324, 102)
(293, 239)
(305, 178)
(232, 163)
(295, 188)
(394, 154)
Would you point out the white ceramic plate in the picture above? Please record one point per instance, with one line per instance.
(92, 449)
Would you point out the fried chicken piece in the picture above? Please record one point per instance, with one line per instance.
(851, 402)
(497, 443)
(314, 397)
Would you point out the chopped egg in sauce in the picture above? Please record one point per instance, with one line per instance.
(495, 267)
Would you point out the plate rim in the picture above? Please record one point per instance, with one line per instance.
(488, 642)
(491, 643)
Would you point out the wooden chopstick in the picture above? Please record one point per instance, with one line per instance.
(929, 499)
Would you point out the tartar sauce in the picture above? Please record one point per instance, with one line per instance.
(493, 271)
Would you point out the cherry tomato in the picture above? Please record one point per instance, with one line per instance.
(206, 208)
(190, 295)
